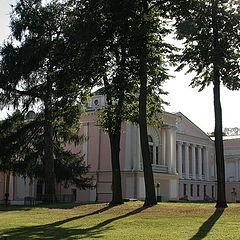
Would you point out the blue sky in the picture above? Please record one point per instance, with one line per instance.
(197, 106)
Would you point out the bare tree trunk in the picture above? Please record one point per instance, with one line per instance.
(49, 173)
(221, 193)
(150, 198)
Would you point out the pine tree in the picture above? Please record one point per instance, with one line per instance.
(38, 68)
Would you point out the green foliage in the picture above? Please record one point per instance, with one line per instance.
(22, 150)
(120, 32)
(194, 28)
(41, 67)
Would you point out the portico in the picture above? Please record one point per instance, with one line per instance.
(192, 161)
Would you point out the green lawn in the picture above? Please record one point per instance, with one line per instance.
(130, 221)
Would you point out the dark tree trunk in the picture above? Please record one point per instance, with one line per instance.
(221, 194)
(150, 198)
(49, 173)
(116, 173)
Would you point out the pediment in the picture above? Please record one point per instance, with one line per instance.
(186, 127)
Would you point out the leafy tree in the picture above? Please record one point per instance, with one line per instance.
(38, 68)
(150, 51)
(116, 67)
(116, 34)
(210, 31)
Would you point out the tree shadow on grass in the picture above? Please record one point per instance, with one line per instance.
(55, 231)
(58, 205)
(14, 208)
(207, 226)
(63, 205)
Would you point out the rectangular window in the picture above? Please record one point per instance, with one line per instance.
(212, 191)
(151, 153)
(157, 158)
(204, 191)
(198, 190)
(191, 190)
(184, 189)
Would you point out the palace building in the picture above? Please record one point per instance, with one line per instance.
(182, 156)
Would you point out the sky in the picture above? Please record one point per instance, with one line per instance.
(197, 106)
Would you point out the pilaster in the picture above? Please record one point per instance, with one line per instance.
(168, 149)
(206, 164)
(186, 160)
(193, 149)
(179, 144)
(199, 162)
(237, 170)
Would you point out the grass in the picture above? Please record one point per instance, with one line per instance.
(167, 221)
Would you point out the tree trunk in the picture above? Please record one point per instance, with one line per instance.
(49, 173)
(150, 198)
(116, 173)
(221, 194)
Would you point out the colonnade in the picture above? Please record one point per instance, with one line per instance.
(192, 161)
(166, 147)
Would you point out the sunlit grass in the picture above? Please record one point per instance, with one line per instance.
(129, 221)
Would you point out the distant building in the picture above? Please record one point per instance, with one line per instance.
(182, 155)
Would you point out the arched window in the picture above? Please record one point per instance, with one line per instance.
(150, 143)
(150, 139)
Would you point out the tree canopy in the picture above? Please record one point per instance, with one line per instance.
(40, 68)
(210, 34)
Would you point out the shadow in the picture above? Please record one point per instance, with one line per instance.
(55, 231)
(14, 208)
(60, 205)
(207, 226)
(108, 221)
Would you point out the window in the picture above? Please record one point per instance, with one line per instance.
(184, 189)
(204, 191)
(198, 190)
(191, 190)
(96, 102)
(150, 140)
(157, 156)
(74, 194)
(150, 143)
(212, 191)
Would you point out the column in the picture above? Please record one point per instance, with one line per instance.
(168, 149)
(187, 160)
(199, 162)
(193, 149)
(163, 154)
(173, 152)
(206, 164)
(138, 148)
(129, 154)
(237, 170)
(179, 144)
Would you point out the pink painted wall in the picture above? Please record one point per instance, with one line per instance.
(201, 184)
(229, 189)
(189, 127)
(232, 144)
(169, 118)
